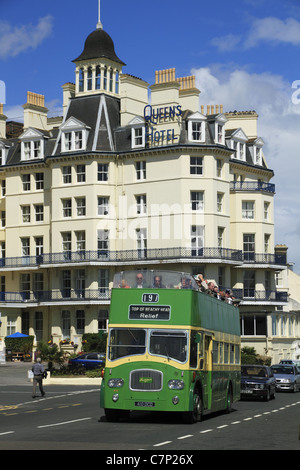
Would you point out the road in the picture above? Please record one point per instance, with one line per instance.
(69, 418)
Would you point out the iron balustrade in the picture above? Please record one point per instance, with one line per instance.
(252, 186)
(264, 258)
(99, 256)
(248, 294)
(103, 294)
(151, 254)
(56, 295)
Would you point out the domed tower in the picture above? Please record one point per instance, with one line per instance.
(98, 67)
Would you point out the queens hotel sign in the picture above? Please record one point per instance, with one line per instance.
(155, 116)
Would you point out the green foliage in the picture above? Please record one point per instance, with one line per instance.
(50, 353)
(94, 373)
(94, 342)
(66, 371)
(20, 344)
(250, 356)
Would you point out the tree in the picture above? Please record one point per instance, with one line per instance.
(50, 353)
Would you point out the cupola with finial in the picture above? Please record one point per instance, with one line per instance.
(98, 67)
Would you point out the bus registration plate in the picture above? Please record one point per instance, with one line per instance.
(150, 404)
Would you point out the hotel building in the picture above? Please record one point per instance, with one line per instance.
(132, 176)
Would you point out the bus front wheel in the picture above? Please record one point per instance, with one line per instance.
(195, 415)
(112, 415)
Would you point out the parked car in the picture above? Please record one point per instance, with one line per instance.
(287, 377)
(90, 360)
(290, 361)
(257, 381)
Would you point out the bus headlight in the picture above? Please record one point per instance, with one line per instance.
(115, 383)
(176, 384)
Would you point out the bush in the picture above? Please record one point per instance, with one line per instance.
(94, 342)
(250, 356)
(50, 353)
(24, 344)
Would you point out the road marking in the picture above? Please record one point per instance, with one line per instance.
(206, 430)
(247, 419)
(224, 426)
(185, 437)
(162, 443)
(8, 432)
(8, 407)
(63, 423)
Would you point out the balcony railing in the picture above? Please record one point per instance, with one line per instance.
(252, 186)
(103, 294)
(108, 256)
(260, 295)
(56, 295)
(264, 258)
(146, 255)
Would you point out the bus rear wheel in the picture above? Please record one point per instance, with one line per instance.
(229, 401)
(191, 417)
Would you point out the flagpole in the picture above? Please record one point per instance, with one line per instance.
(99, 24)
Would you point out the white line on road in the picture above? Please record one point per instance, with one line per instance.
(61, 424)
(8, 432)
(162, 443)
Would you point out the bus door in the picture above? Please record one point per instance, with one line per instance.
(207, 368)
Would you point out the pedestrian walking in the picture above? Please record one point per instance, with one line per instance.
(38, 375)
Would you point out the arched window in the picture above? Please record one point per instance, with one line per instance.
(81, 80)
(105, 78)
(98, 78)
(117, 82)
(90, 79)
(111, 79)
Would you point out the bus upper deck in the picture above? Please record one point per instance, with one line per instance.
(168, 298)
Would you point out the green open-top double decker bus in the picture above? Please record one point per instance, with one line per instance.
(170, 347)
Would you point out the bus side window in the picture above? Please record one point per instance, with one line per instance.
(196, 339)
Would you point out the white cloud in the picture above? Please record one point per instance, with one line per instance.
(274, 29)
(227, 42)
(278, 124)
(17, 39)
(269, 29)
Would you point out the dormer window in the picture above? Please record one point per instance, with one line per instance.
(196, 127)
(257, 151)
(74, 135)
(3, 153)
(238, 141)
(217, 126)
(32, 144)
(220, 129)
(137, 132)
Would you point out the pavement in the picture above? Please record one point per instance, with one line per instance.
(16, 373)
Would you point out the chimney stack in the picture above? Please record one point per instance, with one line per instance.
(35, 113)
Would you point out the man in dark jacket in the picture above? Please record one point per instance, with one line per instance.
(38, 375)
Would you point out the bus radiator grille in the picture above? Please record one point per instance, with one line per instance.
(146, 380)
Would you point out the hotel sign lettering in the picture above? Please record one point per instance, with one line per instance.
(155, 116)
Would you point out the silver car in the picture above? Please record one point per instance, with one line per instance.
(287, 377)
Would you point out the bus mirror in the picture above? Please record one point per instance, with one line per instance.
(197, 338)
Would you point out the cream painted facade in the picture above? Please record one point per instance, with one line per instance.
(131, 176)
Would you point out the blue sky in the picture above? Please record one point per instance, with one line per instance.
(245, 55)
